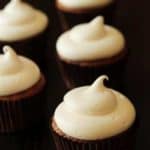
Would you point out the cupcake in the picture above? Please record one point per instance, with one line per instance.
(72, 12)
(24, 28)
(89, 50)
(21, 92)
(94, 118)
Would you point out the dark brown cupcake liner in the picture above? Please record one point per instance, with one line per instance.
(76, 74)
(70, 18)
(33, 48)
(17, 115)
(123, 141)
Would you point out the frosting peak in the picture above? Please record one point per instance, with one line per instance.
(9, 52)
(9, 61)
(96, 99)
(13, 2)
(17, 73)
(102, 97)
(98, 25)
(99, 83)
(18, 9)
(19, 4)
(91, 31)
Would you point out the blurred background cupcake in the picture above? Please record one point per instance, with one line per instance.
(94, 118)
(72, 12)
(22, 92)
(24, 28)
(89, 50)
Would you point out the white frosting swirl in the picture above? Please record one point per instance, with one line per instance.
(90, 41)
(94, 112)
(18, 21)
(17, 73)
(84, 4)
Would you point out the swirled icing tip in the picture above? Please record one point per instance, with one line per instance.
(97, 27)
(99, 83)
(9, 61)
(99, 20)
(93, 30)
(9, 51)
(11, 4)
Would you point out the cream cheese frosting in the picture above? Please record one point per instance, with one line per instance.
(84, 4)
(19, 20)
(17, 73)
(94, 112)
(90, 41)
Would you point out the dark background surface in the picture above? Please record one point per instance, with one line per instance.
(132, 19)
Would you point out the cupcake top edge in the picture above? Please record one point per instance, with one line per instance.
(90, 41)
(19, 21)
(83, 4)
(17, 73)
(94, 112)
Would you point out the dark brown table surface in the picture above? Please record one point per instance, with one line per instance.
(133, 20)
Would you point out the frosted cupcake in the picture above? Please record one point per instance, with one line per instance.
(24, 28)
(21, 92)
(94, 118)
(72, 12)
(89, 50)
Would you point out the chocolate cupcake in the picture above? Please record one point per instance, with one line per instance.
(24, 28)
(22, 97)
(94, 118)
(89, 50)
(72, 12)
